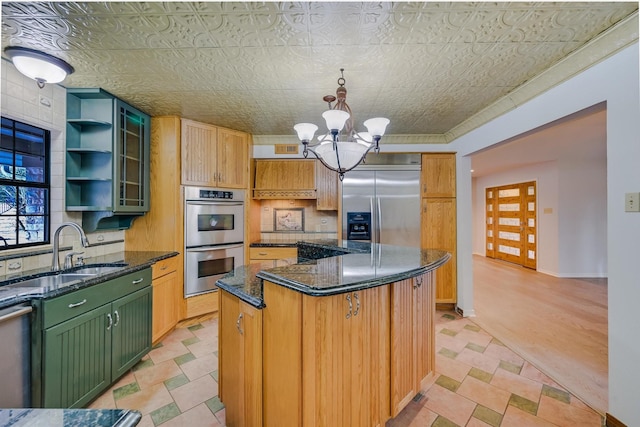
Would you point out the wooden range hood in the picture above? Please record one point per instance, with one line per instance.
(285, 179)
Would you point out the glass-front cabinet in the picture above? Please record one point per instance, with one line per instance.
(107, 159)
(132, 159)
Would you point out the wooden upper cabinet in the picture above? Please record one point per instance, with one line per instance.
(285, 179)
(327, 188)
(233, 158)
(438, 176)
(213, 156)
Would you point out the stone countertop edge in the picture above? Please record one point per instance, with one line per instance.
(246, 282)
(134, 260)
(359, 286)
(67, 417)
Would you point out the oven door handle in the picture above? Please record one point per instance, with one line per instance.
(207, 203)
(214, 248)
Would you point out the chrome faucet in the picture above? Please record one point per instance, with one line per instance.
(55, 263)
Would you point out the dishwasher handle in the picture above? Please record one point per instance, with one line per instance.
(11, 313)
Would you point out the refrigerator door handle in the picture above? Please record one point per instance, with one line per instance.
(379, 222)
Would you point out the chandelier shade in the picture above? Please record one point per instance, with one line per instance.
(337, 151)
(40, 66)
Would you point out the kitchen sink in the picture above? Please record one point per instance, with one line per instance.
(50, 282)
(93, 270)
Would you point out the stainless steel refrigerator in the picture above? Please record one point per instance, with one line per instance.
(381, 201)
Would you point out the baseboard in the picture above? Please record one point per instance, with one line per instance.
(445, 306)
(611, 421)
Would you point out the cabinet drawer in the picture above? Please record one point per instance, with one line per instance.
(164, 266)
(272, 253)
(67, 306)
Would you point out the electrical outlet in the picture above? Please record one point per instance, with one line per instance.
(632, 202)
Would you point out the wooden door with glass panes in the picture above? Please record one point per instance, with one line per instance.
(511, 223)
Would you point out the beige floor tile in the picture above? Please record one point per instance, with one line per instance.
(199, 367)
(446, 341)
(200, 416)
(168, 351)
(452, 406)
(451, 367)
(503, 353)
(156, 374)
(478, 360)
(480, 338)
(565, 415)
(533, 373)
(515, 417)
(195, 392)
(104, 401)
(146, 400)
(523, 387)
(485, 394)
(474, 422)
(178, 335)
(206, 345)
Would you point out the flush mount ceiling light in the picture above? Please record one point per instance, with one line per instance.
(40, 66)
(336, 150)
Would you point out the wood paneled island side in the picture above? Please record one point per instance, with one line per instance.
(346, 340)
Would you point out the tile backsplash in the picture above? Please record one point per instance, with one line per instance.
(296, 219)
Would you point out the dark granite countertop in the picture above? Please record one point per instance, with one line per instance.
(131, 261)
(334, 267)
(69, 417)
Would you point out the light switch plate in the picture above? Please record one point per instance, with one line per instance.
(632, 202)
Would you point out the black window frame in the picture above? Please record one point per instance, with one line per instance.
(8, 123)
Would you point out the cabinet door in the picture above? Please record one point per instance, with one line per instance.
(346, 359)
(132, 159)
(412, 339)
(368, 352)
(438, 176)
(198, 153)
(165, 305)
(240, 361)
(131, 330)
(232, 159)
(424, 323)
(76, 359)
(403, 338)
(327, 188)
(439, 232)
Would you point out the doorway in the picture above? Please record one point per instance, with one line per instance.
(511, 223)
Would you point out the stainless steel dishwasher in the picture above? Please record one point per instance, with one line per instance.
(15, 354)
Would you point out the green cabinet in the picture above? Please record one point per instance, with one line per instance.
(107, 159)
(87, 339)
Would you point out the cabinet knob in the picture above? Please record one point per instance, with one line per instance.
(110, 324)
(115, 313)
(350, 306)
(135, 282)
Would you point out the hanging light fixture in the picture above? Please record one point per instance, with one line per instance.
(40, 66)
(337, 150)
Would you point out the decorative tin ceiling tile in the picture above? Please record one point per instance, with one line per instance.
(261, 67)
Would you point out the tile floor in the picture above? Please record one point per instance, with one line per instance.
(478, 383)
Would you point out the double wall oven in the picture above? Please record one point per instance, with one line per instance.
(214, 236)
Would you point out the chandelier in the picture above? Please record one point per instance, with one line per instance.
(337, 150)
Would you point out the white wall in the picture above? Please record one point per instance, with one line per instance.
(582, 217)
(616, 81)
(22, 100)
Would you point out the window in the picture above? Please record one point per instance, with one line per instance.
(24, 185)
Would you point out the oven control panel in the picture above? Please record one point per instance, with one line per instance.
(215, 194)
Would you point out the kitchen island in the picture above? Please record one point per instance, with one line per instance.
(346, 339)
